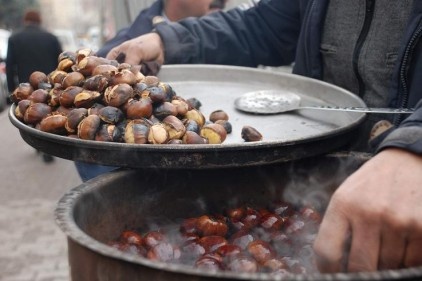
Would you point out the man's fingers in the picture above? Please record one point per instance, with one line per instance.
(112, 55)
(331, 241)
(393, 245)
(364, 249)
(413, 256)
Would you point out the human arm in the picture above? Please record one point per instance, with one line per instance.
(10, 66)
(377, 210)
(265, 34)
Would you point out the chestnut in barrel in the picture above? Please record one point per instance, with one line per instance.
(21, 108)
(39, 95)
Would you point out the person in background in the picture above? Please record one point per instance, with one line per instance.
(159, 12)
(31, 49)
(372, 48)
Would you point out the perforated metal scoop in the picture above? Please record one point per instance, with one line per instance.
(273, 101)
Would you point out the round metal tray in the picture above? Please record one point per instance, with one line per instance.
(286, 136)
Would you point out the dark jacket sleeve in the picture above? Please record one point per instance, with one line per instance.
(265, 34)
(408, 135)
(10, 65)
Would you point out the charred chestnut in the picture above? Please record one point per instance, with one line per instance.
(196, 116)
(212, 243)
(163, 110)
(106, 70)
(151, 81)
(108, 133)
(136, 131)
(261, 251)
(95, 108)
(181, 105)
(55, 93)
(194, 103)
(56, 77)
(110, 114)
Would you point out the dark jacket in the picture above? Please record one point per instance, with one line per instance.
(142, 24)
(30, 49)
(279, 32)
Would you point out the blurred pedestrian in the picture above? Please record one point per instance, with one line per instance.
(160, 11)
(30, 49)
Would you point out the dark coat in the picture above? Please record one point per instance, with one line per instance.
(30, 49)
(142, 24)
(279, 32)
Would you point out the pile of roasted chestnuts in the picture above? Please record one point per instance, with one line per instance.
(276, 239)
(93, 98)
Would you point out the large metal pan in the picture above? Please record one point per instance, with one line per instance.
(286, 136)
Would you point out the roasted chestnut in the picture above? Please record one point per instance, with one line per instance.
(132, 237)
(181, 105)
(67, 97)
(162, 110)
(156, 94)
(226, 124)
(108, 132)
(95, 108)
(54, 124)
(174, 126)
(123, 76)
(158, 134)
(36, 112)
(154, 238)
(74, 117)
(87, 65)
(208, 262)
(212, 243)
(196, 116)
(36, 78)
(250, 134)
(72, 79)
(106, 70)
(21, 108)
(86, 98)
(96, 83)
(243, 264)
(194, 103)
(151, 81)
(214, 133)
(39, 95)
(137, 131)
(55, 94)
(110, 114)
(136, 109)
(118, 95)
(22, 92)
(218, 115)
(56, 76)
(88, 127)
(163, 252)
(193, 138)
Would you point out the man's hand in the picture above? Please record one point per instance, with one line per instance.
(374, 219)
(145, 48)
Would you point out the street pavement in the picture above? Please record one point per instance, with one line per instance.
(32, 246)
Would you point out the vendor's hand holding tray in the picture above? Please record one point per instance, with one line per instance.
(286, 136)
